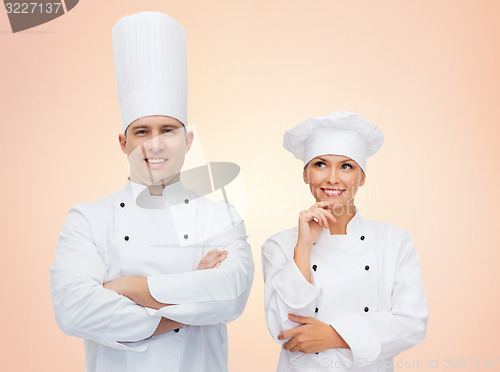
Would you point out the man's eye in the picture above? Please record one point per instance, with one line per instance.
(140, 132)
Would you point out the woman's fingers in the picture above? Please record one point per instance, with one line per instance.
(327, 207)
(290, 344)
(328, 215)
(327, 204)
(324, 222)
(319, 215)
(295, 349)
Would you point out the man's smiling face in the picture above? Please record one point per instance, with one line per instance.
(156, 147)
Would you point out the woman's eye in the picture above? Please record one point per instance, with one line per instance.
(346, 166)
(319, 164)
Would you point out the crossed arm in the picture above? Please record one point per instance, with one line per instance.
(312, 335)
(380, 335)
(117, 316)
(136, 289)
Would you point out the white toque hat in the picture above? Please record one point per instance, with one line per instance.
(150, 66)
(339, 133)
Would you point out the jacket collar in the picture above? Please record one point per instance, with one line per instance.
(353, 224)
(137, 189)
(174, 193)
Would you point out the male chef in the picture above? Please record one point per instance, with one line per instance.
(150, 275)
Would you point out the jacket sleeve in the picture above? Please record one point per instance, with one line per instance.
(384, 334)
(204, 297)
(286, 291)
(82, 307)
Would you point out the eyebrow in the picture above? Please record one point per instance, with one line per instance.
(343, 161)
(146, 126)
(139, 127)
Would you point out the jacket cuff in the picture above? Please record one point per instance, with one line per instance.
(137, 335)
(365, 347)
(184, 313)
(293, 288)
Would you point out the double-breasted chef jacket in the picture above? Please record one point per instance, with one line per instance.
(367, 284)
(163, 238)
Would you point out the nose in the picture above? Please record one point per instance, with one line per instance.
(155, 144)
(332, 176)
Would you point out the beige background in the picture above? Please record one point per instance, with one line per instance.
(425, 71)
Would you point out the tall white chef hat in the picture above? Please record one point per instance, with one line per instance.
(150, 66)
(339, 133)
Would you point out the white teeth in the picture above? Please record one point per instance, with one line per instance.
(156, 161)
(333, 192)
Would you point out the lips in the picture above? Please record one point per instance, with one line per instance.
(333, 192)
(155, 162)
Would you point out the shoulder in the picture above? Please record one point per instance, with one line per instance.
(99, 208)
(283, 241)
(391, 240)
(385, 230)
(218, 215)
(214, 207)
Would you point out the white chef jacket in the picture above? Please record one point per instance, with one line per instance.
(164, 238)
(367, 284)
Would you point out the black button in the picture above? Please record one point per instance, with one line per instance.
(122, 204)
(316, 310)
(367, 267)
(316, 353)
(366, 309)
(186, 201)
(176, 330)
(126, 238)
(315, 267)
(314, 243)
(362, 237)
(186, 236)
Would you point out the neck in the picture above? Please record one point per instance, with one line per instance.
(157, 189)
(343, 215)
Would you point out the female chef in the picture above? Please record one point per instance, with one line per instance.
(341, 291)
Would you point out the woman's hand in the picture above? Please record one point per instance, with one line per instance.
(313, 336)
(212, 259)
(313, 221)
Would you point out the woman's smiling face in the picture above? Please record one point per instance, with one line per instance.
(334, 178)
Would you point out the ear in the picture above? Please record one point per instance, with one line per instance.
(305, 176)
(122, 138)
(189, 140)
(363, 178)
